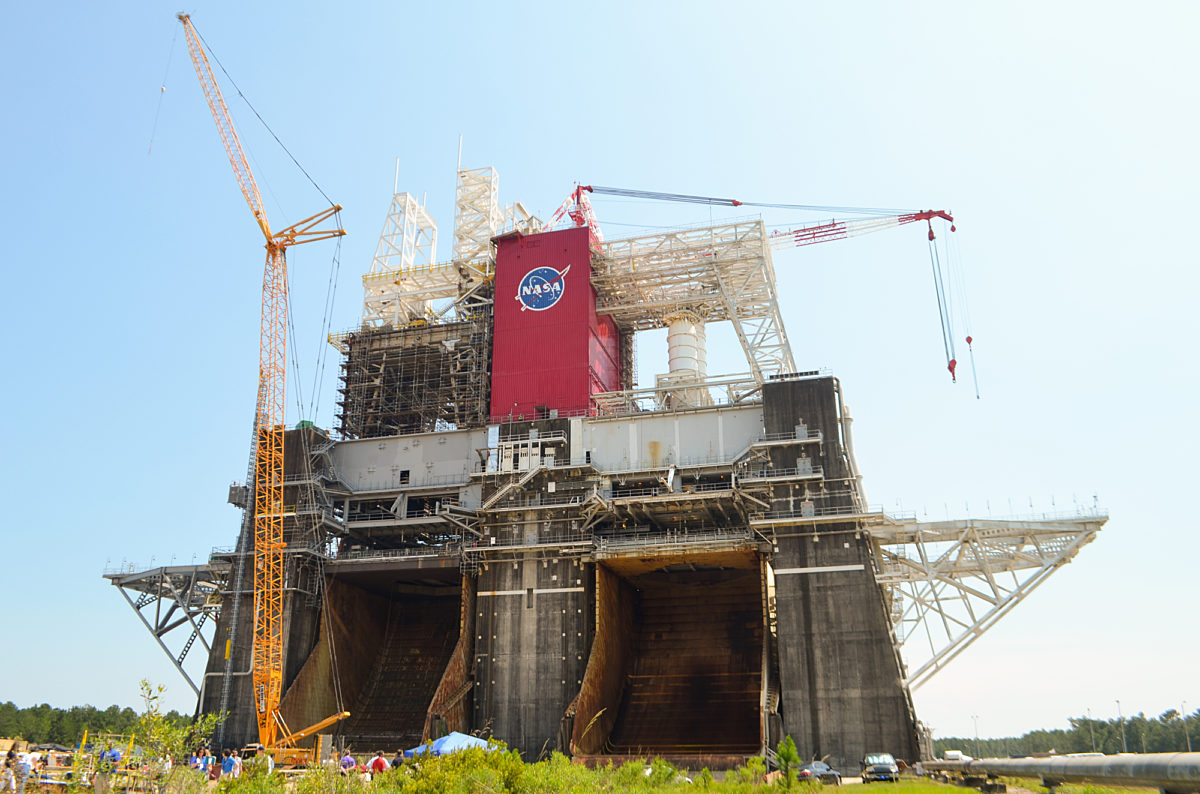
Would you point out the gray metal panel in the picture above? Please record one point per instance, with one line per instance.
(371, 464)
(660, 440)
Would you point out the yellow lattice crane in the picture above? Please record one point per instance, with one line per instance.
(267, 665)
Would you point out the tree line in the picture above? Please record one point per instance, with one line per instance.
(1169, 732)
(45, 724)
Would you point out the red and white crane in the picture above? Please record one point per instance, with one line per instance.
(579, 208)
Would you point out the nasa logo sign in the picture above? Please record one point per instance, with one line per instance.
(541, 288)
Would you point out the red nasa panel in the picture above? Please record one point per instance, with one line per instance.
(549, 346)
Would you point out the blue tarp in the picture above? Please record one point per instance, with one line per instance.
(450, 743)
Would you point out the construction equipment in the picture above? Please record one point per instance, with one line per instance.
(580, 210)
(268, 504)
(285, 750)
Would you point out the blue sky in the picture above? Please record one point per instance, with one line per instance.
(1062, 136)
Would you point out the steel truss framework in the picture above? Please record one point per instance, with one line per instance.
(407, 244)
(719, 273)
(950, 581)
(182, 601)
(406, 279)
(477, 214)
(946, 582)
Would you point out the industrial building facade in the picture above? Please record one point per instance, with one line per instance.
(689, 580)
(506, 535)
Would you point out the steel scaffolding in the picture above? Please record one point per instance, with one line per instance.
(416, 379)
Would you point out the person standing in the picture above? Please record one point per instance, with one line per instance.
(379, 763)
(108, 762)
(237, 763)
(398, 761)
(347, 763)
(22, 772)
(226, 763)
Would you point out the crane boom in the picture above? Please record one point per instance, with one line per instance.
(840, 230)
(810, 234)
(220, 114)
(267, 657)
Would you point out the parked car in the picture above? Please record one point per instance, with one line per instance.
(819, 770)
(880, 766)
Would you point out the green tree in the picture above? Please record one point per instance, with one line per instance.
(168, 736)
(789, 759)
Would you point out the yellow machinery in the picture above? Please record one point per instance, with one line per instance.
(267, 665)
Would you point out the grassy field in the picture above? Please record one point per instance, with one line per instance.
(1033, 784)
(499, 771)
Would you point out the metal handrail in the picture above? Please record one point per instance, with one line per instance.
(670, 538)
(547, 435)
(452, 547)
(767, 474)
(812, 435)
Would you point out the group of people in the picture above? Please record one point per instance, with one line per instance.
(19, 766)
(17, 769)
(348, 764)
(230, 764)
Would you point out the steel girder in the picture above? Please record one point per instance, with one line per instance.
(719, 273)
(950, 581)
(178, 600)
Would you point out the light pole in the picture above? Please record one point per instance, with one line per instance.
(975, 719)
(1124, 746)
(1188, 736)
(1092, 730)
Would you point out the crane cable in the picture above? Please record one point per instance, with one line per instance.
(728, 202)
(326, 325)
(943, 284)
(260, 118)
(939, 288)
(162, 91)
(954, 255)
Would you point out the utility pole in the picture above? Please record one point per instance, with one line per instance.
(1186, 735)
(1092, 730)
(975, 719)
(1124, 746)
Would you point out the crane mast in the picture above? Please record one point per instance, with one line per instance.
(267, 658)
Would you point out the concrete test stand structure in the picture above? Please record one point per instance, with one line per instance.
(508, 535)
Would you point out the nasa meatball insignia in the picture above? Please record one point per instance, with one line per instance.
(541, 288)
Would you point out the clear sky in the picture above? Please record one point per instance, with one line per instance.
(1062, 136)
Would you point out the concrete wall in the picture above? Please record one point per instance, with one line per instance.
(452, 705)
(241, 725)
(531, 642)
(596, 708)
(842, 693)
(300, 632)
(354, 626)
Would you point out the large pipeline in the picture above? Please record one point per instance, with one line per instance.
(1171, 773)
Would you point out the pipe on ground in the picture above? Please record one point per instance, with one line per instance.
(1171, 773)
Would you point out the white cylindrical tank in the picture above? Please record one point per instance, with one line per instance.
(687, 357)
(686, 351)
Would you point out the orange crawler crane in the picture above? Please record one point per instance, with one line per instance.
(269, 422)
